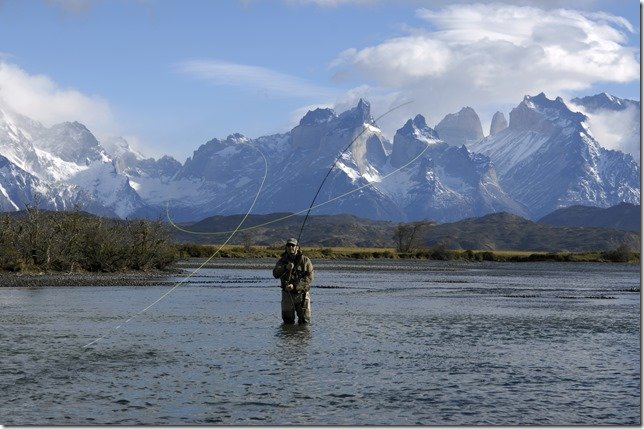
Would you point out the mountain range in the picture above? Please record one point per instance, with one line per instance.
(544, 158)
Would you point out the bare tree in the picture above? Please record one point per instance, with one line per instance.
(409, 236)
(247, 240)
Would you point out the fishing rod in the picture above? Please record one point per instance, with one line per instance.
(238, 228)
(308, 211)
(312, 205)
(177, 227)
(336, 161)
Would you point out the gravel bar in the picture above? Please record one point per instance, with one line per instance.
(87, 279)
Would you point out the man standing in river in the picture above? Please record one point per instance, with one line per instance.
(295, 272)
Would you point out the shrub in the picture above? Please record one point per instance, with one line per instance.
(327, 251)
(70, 241)
(621, 254)
(487, 256)
(441, 253)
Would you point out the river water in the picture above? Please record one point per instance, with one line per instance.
(391, 343)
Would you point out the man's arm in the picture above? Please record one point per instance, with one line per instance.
(280, 268)
(305, 282)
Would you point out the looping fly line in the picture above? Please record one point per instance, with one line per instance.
(313, 205)
(184, 280)
(239, 228)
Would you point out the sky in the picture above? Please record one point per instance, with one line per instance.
(170, 75)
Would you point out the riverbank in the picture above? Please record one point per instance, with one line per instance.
(132, 278)
(267, 255)
(620, 254)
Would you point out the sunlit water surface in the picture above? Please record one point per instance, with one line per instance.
(392, 343)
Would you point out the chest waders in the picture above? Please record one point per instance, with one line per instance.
(299, 305)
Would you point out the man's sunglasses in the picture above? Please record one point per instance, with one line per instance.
(291, 245)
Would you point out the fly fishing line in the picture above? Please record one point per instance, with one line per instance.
(184, 280)
(313, 205)
(336, 161)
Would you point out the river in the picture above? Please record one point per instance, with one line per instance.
(391, 343)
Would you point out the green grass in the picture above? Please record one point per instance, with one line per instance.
(237, 251)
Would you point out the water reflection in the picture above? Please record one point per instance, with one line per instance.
(293, 335)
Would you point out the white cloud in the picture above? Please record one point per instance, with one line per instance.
(390, 62)
(40, 98)
(483, 55)
(251, 77)
(619, 130)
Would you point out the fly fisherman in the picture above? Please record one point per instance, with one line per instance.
(295, 272)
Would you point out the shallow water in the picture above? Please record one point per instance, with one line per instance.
(392, 343)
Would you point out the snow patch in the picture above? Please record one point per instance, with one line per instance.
(4, 192)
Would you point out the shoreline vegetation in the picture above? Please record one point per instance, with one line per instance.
(80, 248)
(622, 254)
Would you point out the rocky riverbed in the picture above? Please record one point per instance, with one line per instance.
(133, 278)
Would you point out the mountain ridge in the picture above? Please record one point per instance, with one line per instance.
(504, 231)
(547, 158)
(623, 216)
(544, 159)
(497, 231)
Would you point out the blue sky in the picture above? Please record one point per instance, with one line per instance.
(169, 75)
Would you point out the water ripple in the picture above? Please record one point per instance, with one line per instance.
(471, 344)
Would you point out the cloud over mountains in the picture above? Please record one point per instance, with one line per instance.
(485, 54)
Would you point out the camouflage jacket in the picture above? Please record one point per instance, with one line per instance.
(301, 276)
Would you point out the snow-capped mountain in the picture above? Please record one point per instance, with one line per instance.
(605, 101)
(61, 167)
(134, 164)
(547, 159)
(223, 176)
(18, 189)
(445, 183)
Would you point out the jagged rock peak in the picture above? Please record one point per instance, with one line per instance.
(540, 100)
(364, 106)
(317, 116)
(417, 125)
(75, 128)
(460, 128)
(419, 122)
(533, 112)
(499, 123)
(361, 114)
(605, 101)
(237, 138)
(412, 139)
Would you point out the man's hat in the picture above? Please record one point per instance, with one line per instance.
(291, 241)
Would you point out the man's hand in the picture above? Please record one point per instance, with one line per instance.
(290, 266)
(289, 287)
